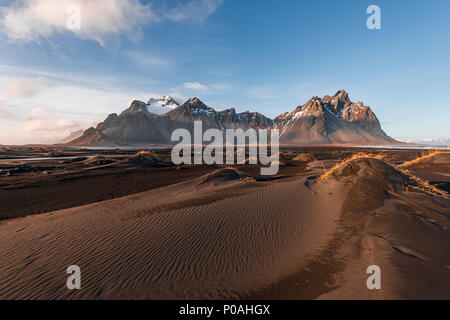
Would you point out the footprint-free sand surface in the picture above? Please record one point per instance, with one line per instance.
(137, 246)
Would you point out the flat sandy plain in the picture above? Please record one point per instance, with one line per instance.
(141, 228)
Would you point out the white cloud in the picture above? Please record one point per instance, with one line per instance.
(51, 115)
(27, 88)
(36, 114)
(42, 126)
(195, 86)
(32, 20)
(40, 120)
(22, 89)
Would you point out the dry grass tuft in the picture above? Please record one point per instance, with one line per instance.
(144, 152)
(242, 176)
(248, 179)
(416, 183)
(148, 159)
(361, 155)
(424, 155)
(423, 185)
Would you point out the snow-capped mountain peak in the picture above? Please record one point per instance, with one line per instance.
(161, 105)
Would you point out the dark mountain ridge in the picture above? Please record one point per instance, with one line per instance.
(328, 120)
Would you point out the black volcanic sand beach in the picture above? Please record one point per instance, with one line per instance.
(211, 232)
(51, 185)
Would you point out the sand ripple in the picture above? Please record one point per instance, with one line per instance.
(125, 250)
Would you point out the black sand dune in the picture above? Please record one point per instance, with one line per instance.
(227, 234)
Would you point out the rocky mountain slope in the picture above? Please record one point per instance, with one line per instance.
(137, 125)
(72, 136)
(331, 120)
(328, 120)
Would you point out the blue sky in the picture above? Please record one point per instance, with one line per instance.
(267, 56)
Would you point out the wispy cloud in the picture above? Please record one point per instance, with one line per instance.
(195, 86)
(51, 115)
(42, 126)
(101, 20)
(85, 78)
(3, 113)
(211, 88)
(22, 89)
(195, 10)
(43, 110)
(27, 88)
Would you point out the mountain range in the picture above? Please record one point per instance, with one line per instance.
(328, 120)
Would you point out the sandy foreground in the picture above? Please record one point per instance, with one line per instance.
(216, 236)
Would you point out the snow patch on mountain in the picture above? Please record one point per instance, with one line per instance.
(161, 105)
